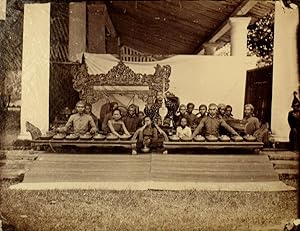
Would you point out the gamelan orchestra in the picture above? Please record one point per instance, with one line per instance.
(162, 118)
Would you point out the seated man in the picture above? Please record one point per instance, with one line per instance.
(221, 110)
(108, 116)
(88, 111)
(253, 126)
(191, 116)
(116, 125)
(131, 120)
(250, 119)
(148, 135)
(228, 113)
(212, 124)
(202, 114)
(80, 122)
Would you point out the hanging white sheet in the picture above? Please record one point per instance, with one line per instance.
(194, 78)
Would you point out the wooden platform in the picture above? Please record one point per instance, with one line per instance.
(153, 171)
(129, 144)
(212, 145)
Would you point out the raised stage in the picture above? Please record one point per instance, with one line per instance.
(228, 172)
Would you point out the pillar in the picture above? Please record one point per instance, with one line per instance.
(210, 48)
(3, 9)
(96, 28)
(238, 35)
(285, 69)
(35, 67)
(77, 29)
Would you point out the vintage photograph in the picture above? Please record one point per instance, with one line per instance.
(149, 115)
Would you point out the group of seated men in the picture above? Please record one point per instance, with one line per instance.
(150, 125)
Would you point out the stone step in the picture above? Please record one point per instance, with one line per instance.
(283, 155)
(2, 155)
(21, 155)
(12, 174)
(15, 164)
(285, 164)
(288, 172)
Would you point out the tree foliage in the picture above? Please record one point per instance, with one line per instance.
(261, 38)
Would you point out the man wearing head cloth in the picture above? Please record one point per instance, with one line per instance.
(250, 118)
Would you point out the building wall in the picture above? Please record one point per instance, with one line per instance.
(11, 38)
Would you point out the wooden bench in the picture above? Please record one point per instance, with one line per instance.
(129, 144)
(256, 146)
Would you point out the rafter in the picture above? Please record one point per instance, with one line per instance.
(242, 9)
(109, 25)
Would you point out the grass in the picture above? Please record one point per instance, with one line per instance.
(147, 210)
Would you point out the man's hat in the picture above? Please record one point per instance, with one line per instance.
(295, 100)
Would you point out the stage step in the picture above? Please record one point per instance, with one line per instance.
(288, 173)
(286, 155)
(285, 164)
(2, 155)
(12, 174)
(14, 164)
(151, 167)
(21, 155)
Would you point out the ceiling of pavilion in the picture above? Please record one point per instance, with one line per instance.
(155, 27)
(175, 27)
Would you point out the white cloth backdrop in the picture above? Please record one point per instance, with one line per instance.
(196, 79)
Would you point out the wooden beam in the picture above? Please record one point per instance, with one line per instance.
(243, 8)
(96, 28)
(109, 25)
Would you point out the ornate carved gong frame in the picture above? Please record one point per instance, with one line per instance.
(120, 75)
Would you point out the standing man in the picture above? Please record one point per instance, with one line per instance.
(294, 122)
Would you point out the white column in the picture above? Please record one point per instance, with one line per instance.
(2, 9)
(285, 69)
(35, 67)
(77, 29)
(210, 48)
(238, 35)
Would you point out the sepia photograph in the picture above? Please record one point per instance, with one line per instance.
(149, 115)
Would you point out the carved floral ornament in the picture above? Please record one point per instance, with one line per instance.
(119, 75)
